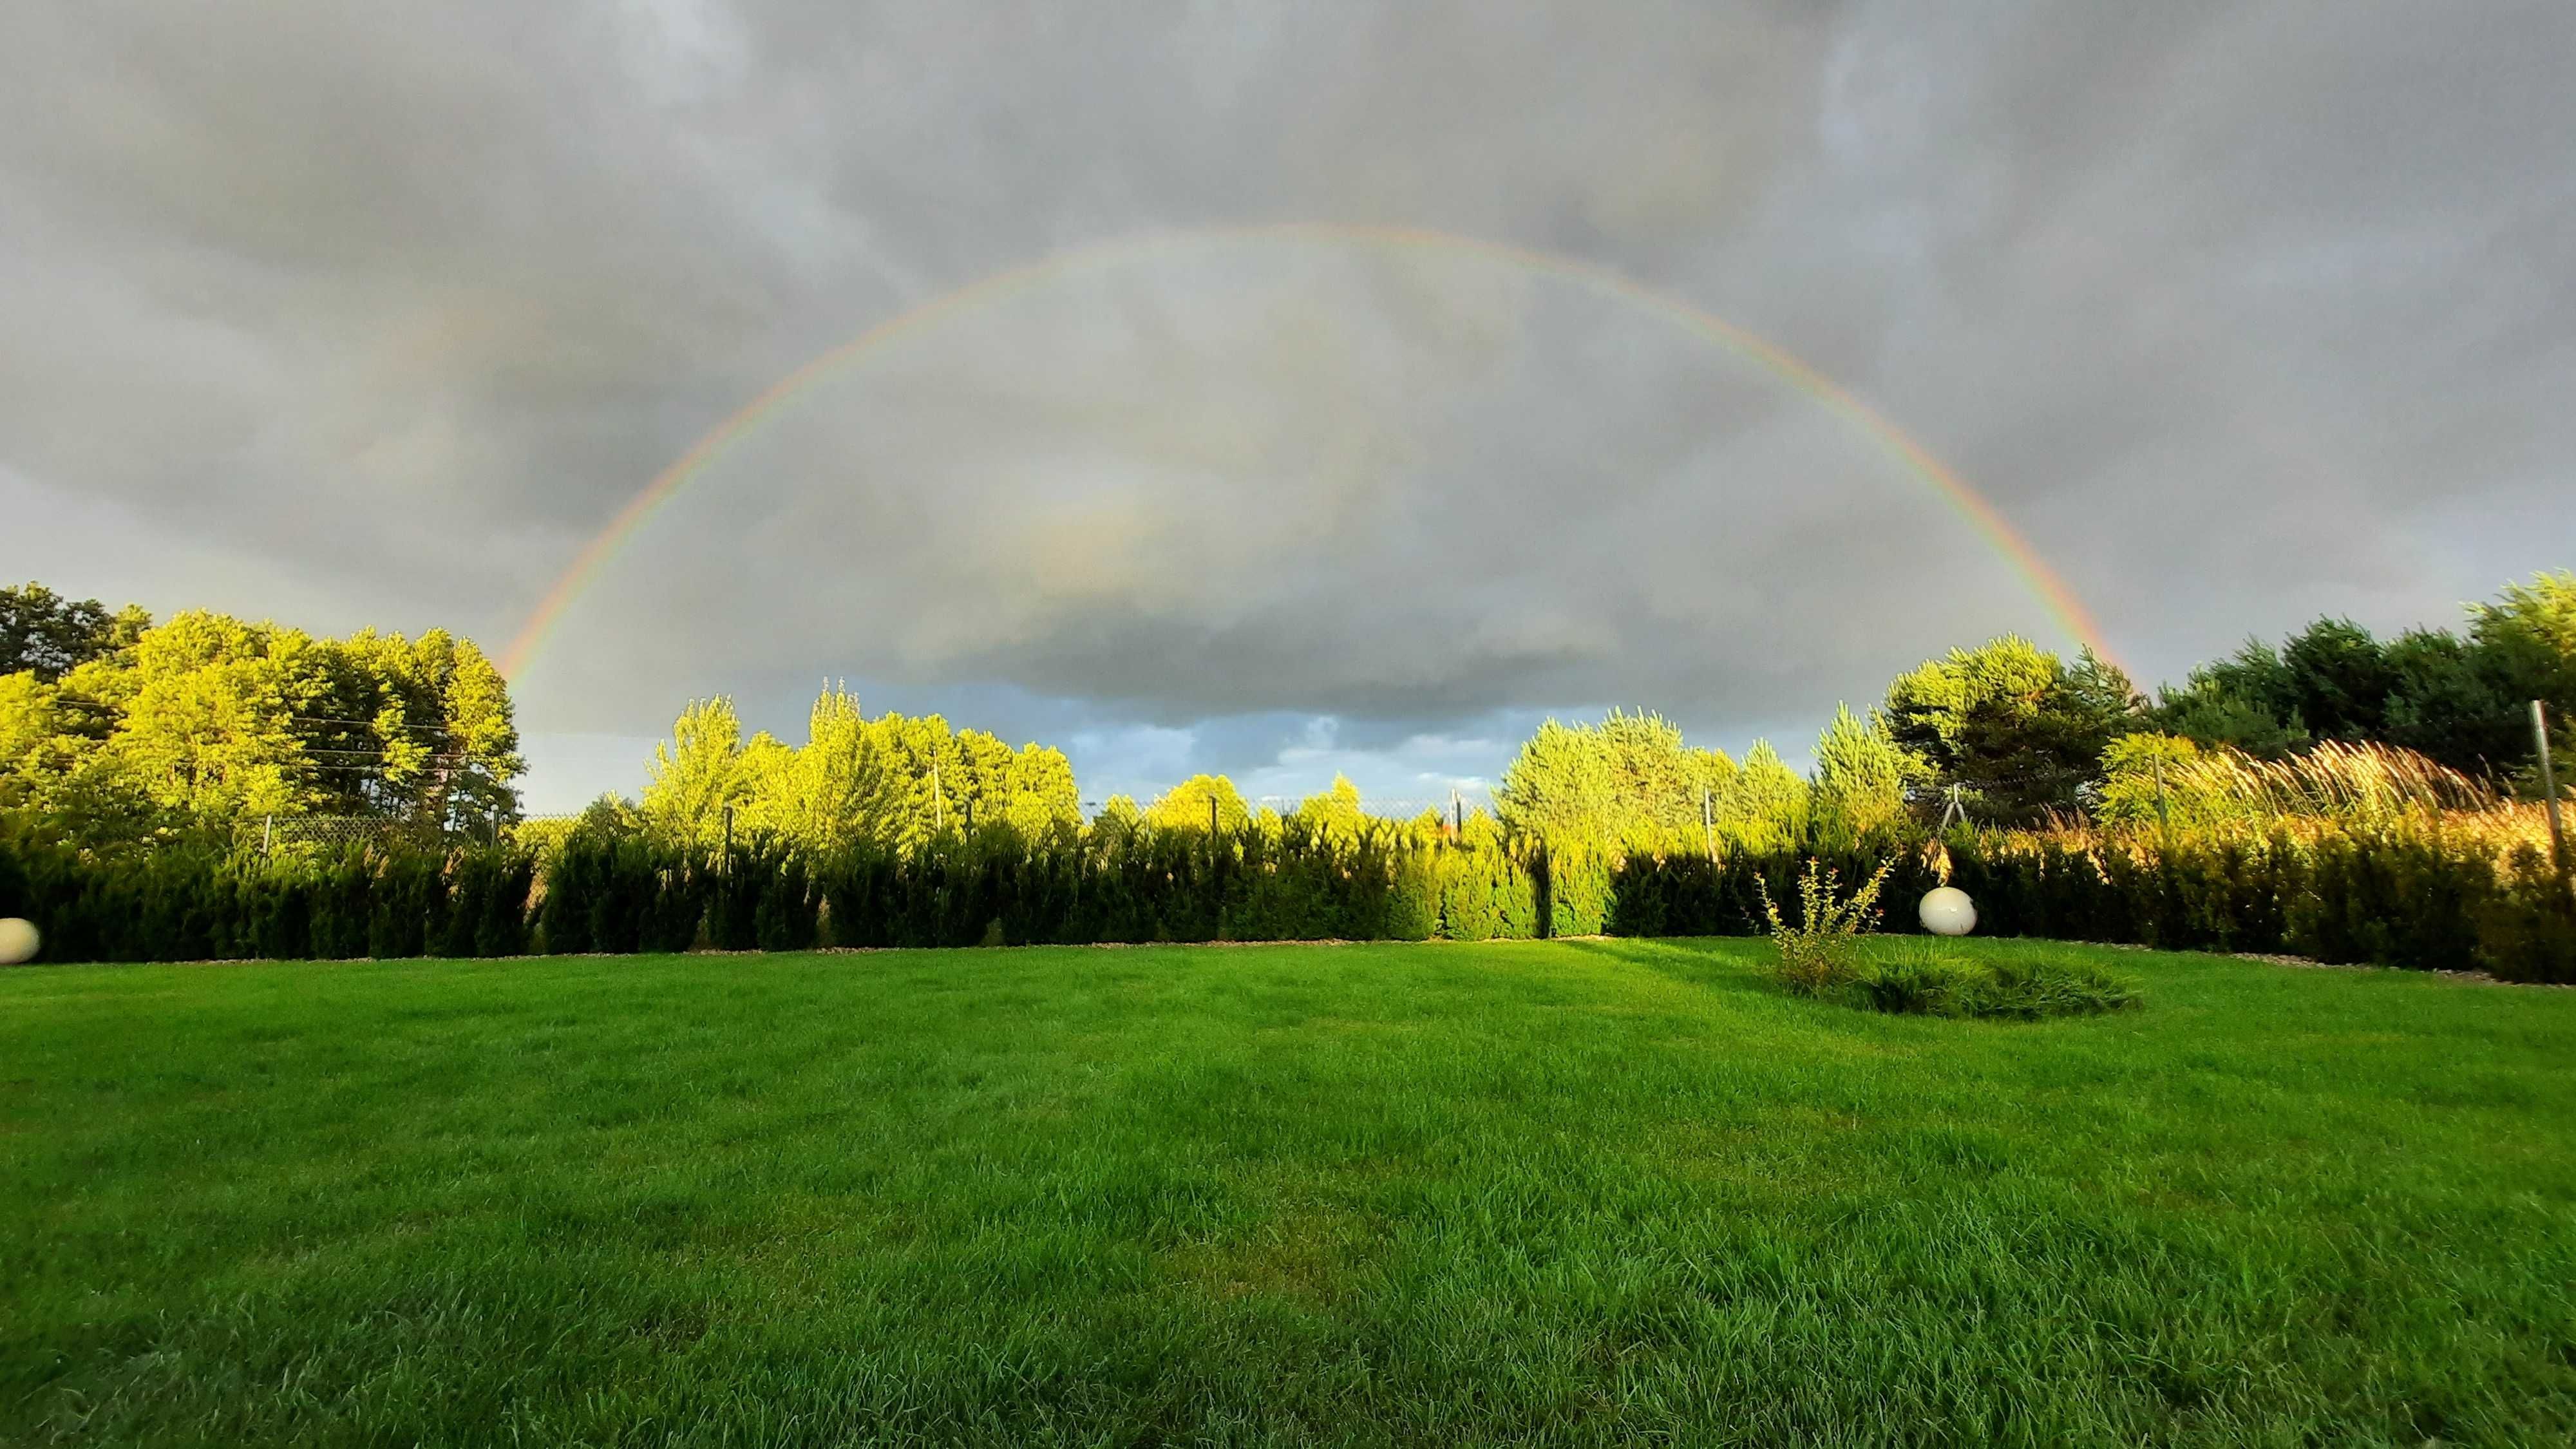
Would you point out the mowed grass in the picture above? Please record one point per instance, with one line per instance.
(1560, 1192)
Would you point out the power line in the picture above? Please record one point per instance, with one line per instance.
(389, 754)
(368, 723)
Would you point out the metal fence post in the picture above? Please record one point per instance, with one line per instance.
(2549, 787)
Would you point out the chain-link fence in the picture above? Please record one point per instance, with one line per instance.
(1386, 807)
(275, 834)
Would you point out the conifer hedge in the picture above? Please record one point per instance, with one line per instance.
(2398, 898)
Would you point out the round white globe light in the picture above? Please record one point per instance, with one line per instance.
(18, 940)
(1947, 911)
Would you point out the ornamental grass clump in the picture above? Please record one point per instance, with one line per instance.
(1917, 978)
(1920, 978)
(1821, 953)
(2037, 990)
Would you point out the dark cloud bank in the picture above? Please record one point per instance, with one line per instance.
(348, 313)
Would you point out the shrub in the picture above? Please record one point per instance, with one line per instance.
(1821, 952)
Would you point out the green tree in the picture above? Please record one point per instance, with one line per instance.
(2017, 729)
(892, 781)
(1118, 822)
(2460, 700)
(1629, 781)
(1185, 806)
(36, 750)
(1042, 798)
(2145, 782)
(47, 635)
(2339, 679)
(1764, 808)
(2454, 701)
(697, 775)
(2211, 709)
(205, 720)
(2527, 640)
(1336, 814)
(1863, 780)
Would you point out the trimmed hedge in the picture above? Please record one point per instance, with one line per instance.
(189, 903)
(2411, 899)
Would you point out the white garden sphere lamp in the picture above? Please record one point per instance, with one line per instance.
(1947, 911)
(18, 940)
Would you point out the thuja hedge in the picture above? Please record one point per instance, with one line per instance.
(194, 903)
(2397, 899)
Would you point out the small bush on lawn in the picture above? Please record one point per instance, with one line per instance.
(1917, 978)
(1821, 953)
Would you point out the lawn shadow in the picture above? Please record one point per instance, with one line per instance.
(1715, 963)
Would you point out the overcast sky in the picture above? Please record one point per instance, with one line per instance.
(346, 313)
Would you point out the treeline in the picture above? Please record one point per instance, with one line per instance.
(892, 782)
(2055, 791)
(2461, 699)
(119, 732)
(2017, 736)
(115, 731)
(2417, 898)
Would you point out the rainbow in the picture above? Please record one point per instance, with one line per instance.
(2062, 604)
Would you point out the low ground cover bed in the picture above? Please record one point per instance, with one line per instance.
(1558, 1192)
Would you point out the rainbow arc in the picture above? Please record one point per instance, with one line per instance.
(2060, 601)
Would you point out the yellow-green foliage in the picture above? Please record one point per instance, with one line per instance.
(1862, 777)
(891, 781)
(2015, 727)
(1820, 951)
(1185, 805)
(1629, 781)
(2461, 698)
(2167, 780)
(1630, 784)
(206, 720)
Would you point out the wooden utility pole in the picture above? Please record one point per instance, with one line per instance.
(1708, 823)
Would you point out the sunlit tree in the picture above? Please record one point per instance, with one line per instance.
(1185, 805)
(2018, 730)
(1629, 781)
(1863, 779)
(207, 720)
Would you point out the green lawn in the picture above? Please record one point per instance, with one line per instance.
(1543, 1192)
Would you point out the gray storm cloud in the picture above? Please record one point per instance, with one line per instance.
(377, 314)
